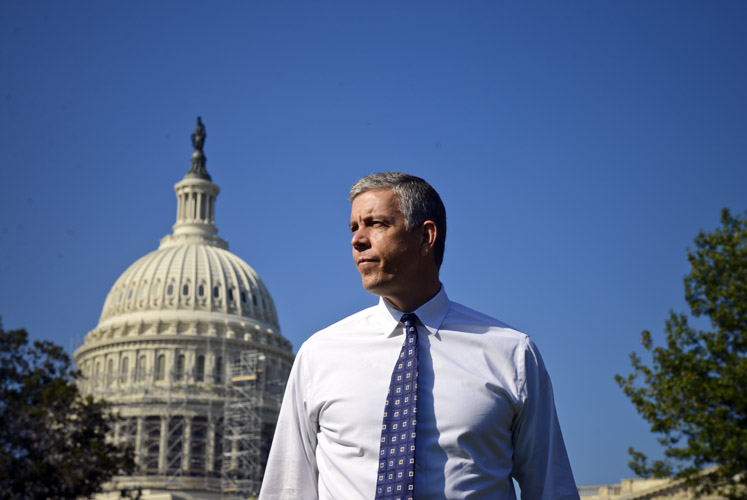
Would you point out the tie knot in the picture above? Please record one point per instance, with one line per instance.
(409, 319)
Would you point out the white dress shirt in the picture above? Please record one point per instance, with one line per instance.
(485, 411)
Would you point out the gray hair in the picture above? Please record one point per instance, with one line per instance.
(418, 202)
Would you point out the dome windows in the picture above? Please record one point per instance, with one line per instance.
(186, 289)
(155, 290)
(158, 366)
(179, 368)
(140, 368)
(217, 294)
(141, 293)
(130, 294)
(202, 291)
(109, 371)
(170, 292)
(218, 370)
(161, 367)
(124, 366)
(200, 369)
(190, 277)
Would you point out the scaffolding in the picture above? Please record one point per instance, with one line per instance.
(167, 424)
(242, 427)
(177, 436)
(211, 433)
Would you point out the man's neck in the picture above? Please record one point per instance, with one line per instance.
(410, 304)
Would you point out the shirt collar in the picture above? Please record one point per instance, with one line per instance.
(431, 314)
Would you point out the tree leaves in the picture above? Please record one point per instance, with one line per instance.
(53, 441)
(694, 393)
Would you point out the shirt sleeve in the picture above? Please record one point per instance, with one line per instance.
(291, 471)
(540, 463)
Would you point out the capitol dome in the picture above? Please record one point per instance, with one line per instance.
(188, 351)
(202, 280)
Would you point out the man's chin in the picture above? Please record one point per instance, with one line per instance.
(373, 287)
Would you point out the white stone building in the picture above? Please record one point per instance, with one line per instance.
(646, 489)
(189, 351)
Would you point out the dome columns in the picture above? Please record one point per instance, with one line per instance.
(195, 214)
(195, 206)
(163, 443)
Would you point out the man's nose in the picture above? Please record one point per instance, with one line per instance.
(360, 240)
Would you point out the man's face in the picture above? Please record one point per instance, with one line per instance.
(385, 253)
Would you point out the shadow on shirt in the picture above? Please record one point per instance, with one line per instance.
(430, 459)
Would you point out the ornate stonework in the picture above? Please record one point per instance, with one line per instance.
(175, 330)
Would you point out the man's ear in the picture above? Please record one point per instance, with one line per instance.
(428, 240)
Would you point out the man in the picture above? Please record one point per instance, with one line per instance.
(484, 406)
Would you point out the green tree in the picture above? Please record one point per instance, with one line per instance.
(694, 392)
(52, 439)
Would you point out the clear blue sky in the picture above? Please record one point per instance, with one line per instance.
(579, 147)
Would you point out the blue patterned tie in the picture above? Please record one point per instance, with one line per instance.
(396, 478)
